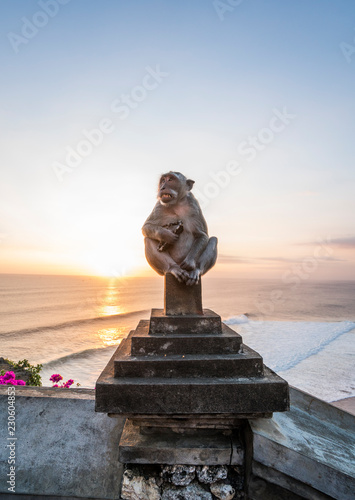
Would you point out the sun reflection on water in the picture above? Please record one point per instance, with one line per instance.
(109, 310)
(110, 336)
(110, 301)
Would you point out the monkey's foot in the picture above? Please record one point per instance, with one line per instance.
(181, 275)
(193, 278)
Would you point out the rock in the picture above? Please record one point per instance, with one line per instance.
(136, 487)
(180, 475)
(211, 473)
(193, 491)
(222, 490)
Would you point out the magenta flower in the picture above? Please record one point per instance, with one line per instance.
(10, 379)
(56, 377)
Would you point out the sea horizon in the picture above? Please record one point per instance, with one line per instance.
(73, 324)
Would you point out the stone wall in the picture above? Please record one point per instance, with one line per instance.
(66, 450)
(187, 482)
(63, 448)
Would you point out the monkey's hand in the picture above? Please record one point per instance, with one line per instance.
(188, 264)
(168, 237)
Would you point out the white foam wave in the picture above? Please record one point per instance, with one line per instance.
(301, 352)
(284, 344)
(237, 320)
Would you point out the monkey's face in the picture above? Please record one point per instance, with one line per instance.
(170, 188)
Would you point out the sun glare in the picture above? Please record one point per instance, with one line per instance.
(110, 336)
(116, 263)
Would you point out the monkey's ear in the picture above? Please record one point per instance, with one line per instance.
(189, 184)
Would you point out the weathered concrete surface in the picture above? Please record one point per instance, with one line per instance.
(314, 444)
(209, 322)
(142, 379)
(270, 484)
(63, 447)
(247, 363)
(180, 422)
(168, 447)
(144, 343)
(181, 299)
(190, 395)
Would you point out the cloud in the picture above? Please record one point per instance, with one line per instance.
(232, 259)
(300, 259)
(348, 242)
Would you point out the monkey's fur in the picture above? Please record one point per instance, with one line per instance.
(186, 254)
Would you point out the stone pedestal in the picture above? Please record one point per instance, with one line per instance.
(180, 299)
(187, 385)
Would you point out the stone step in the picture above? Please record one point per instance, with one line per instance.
(167, 447)
(208, 322)
(190, 395)
(146, 344)
(244, 364)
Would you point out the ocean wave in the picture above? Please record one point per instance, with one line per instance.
(53, 308)
(237, 320)
(71, 323)
(87, 353)
(284, 344)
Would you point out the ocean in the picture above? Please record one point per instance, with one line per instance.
(73, 324)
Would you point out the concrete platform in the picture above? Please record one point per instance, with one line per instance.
(144, 343)
(207, 447)
(190, 395)
(247, 363)
(208, 322)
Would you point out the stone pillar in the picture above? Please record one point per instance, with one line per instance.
(180, 299)
(187, 384)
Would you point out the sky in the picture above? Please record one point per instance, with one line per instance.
(252, 99)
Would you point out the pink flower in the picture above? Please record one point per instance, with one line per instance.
(11, 381)
(56, 377)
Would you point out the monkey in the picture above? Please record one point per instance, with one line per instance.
(175, 233)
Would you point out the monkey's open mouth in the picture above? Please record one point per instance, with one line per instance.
(166, 196)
